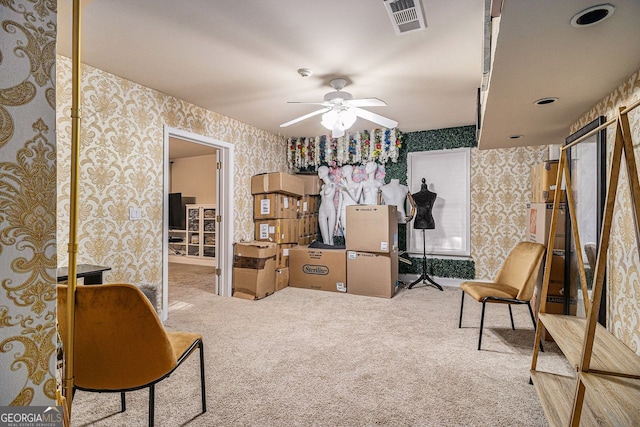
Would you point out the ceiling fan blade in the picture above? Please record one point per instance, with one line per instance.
(367, 102)
(375, 118)
(306, 116)
(308, 103)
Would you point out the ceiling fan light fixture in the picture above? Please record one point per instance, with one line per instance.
(339, 121)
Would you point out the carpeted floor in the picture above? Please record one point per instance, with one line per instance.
(313, 358)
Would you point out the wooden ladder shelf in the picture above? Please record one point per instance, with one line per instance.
(606, 387)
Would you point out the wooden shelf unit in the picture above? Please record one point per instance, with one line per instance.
(606, 387)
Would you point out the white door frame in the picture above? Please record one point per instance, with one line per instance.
(225, 203)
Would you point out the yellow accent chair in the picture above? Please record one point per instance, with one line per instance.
(120, 345)
(514, 283)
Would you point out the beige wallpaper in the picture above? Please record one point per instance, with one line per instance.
(27, 203)
(121, 167)
(623, 276)
(500, 191)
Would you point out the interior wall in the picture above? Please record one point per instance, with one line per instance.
(27, 203)
(121, 167)
(623, 280)
(195, 177)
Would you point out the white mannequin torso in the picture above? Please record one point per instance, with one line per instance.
(395, 194)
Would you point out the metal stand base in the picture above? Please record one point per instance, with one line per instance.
(424, 277)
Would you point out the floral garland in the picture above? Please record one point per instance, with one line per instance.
(377, 145)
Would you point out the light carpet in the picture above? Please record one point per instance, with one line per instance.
(314, 358)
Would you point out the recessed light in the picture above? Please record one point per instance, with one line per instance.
(515, 136)
(592, 15)
(546, 101)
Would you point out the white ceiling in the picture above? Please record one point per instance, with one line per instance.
(240, 58)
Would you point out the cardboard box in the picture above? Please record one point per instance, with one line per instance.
(540, 224)
(277, 230)
(372, 228)
(543, 182)
(312, 183)
(372, 274)
(274, 206)
(308, 205)
(282, 256)
(321, 269)
(254, 269)
(277, 182)
(282, 278)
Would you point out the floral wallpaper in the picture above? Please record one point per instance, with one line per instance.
(121, 167)
(27, 203)
(623, 275)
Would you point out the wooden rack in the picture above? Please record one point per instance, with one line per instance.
(606, 387)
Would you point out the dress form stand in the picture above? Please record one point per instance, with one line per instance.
(424, 277)
(424, 200)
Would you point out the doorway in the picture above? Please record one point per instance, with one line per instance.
(223, 202)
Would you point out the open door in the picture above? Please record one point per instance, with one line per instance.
(217, 242)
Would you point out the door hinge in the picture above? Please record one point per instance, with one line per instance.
(218, 218)
(219, 165)
(218, 272)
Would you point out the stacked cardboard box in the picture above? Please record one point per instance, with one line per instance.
(254, 269)
(315, 268)
(276, 199)
(308, 209)
(372, 250)
(543, 182)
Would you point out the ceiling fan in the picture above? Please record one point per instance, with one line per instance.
(340, 110)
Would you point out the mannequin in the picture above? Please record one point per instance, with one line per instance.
(395, 193)
(370, 186)
(350, 193)
(327, 210)
(424, 200)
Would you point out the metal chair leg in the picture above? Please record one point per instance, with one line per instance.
(513, 326)
(461, 307)
(123, 402)
(202, 385)
(152, 398)
(484, 303)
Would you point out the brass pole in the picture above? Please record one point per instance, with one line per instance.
(73, 208)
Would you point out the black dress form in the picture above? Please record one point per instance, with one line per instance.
(424, 200)
(424, 205)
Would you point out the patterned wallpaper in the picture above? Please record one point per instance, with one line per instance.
(27, 203)
(500, 191)
(121, 167)
(623, 275)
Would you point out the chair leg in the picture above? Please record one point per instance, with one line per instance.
(202, 385)
(533, 320)
(513, 326)
(123, 402)
(152, 398)
(484, 303)
(461, 307)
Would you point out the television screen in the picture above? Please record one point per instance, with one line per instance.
(176, 212)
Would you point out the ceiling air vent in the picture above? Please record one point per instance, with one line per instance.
(406, 15)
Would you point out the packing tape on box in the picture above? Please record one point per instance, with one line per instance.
(250, 263)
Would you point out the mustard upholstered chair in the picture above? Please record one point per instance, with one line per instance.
(120, 344)
(514, 283)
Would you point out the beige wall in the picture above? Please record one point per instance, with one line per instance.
(121, 167)
(195, 177)
(27, 203)
(623, 278)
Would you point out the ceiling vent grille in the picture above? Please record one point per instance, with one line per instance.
(406, 15)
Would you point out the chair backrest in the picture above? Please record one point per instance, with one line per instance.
(119, 341)
(521, 268)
